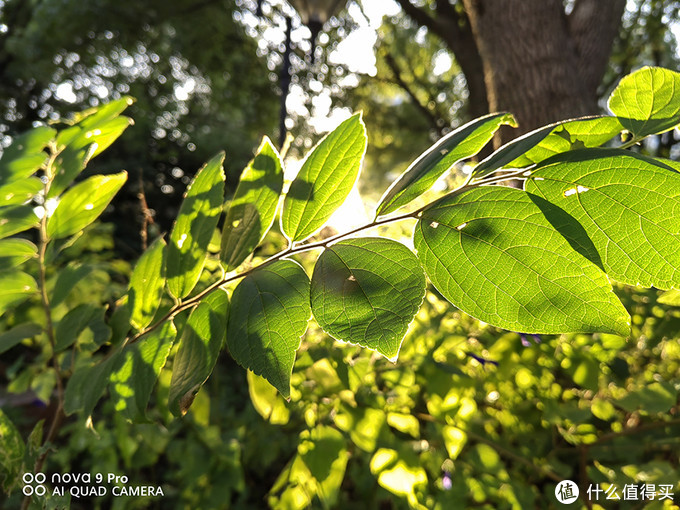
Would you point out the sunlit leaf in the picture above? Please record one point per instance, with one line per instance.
(268, 316)
(251, 212)
(25, 155)
(146, 285)
(671, 297)
(324, 452)
(325, 179)
(194, 227)
(511, 151)
(83, 204)
(16, 219)
(627, 204)
(571, 135)
(14, 252)
(464, 142)
(12, 449)
(201, 341)
(647, 101)
(266, 400)
(132, 383)
(367, 291)
(19, 191)
(492, 253)
(15, 287)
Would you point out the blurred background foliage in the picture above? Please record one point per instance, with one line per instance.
(470, 416)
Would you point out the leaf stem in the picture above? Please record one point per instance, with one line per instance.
(294, 249)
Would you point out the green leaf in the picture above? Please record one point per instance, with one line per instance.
(15, 287)
(464, 142)
(14, 336)
(14, 252)
(647, 101)
(88, 382)
(366, 291)
(83, 204)
(202, 339)
(16, 219)
(324, 452)
(73, 324)
(68, 278)
(327, 176)
(266, 400)
(253, 208)
(511, 151)
(98, 128)
(12, 449)
(671, 297)
(132, 383)
(196, 222)
(146, 285)
(20, 191)
(627, 204)
(268, 316)
(493, 254)
(571, 135)
(25, 155)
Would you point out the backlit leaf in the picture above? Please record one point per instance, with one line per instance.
(196, 222)
(571, 135)
(647, 101)
(12, 449)
(251, 212)
(16, 219)
(627, 204)
(325, 179)
(511, 151)
(25, 154)
(464, 142)
(366, 291)
(201, 341)
(20, 191)
(14, 252)
(132, 383)
(493, 254)
(83, 204)
(146, 285)
(15, 287)
(268, 316)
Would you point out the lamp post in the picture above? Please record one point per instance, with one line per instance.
(314, 14)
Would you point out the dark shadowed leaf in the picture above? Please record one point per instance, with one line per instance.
(268, 316)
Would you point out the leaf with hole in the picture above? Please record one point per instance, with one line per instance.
(268, 316)
(194, 227)
(366, 291)
(327, 176)
(628, 205)
(83, 203)
(492, 253)
(201, 341)
(464, 142)
(252, 210)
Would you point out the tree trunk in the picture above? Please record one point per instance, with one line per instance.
(540, 63)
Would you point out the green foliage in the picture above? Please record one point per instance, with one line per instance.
(325, 179)
(540, 259)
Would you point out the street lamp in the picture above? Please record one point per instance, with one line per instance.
(315, 13)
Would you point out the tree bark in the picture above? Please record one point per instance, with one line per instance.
(540, 63)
